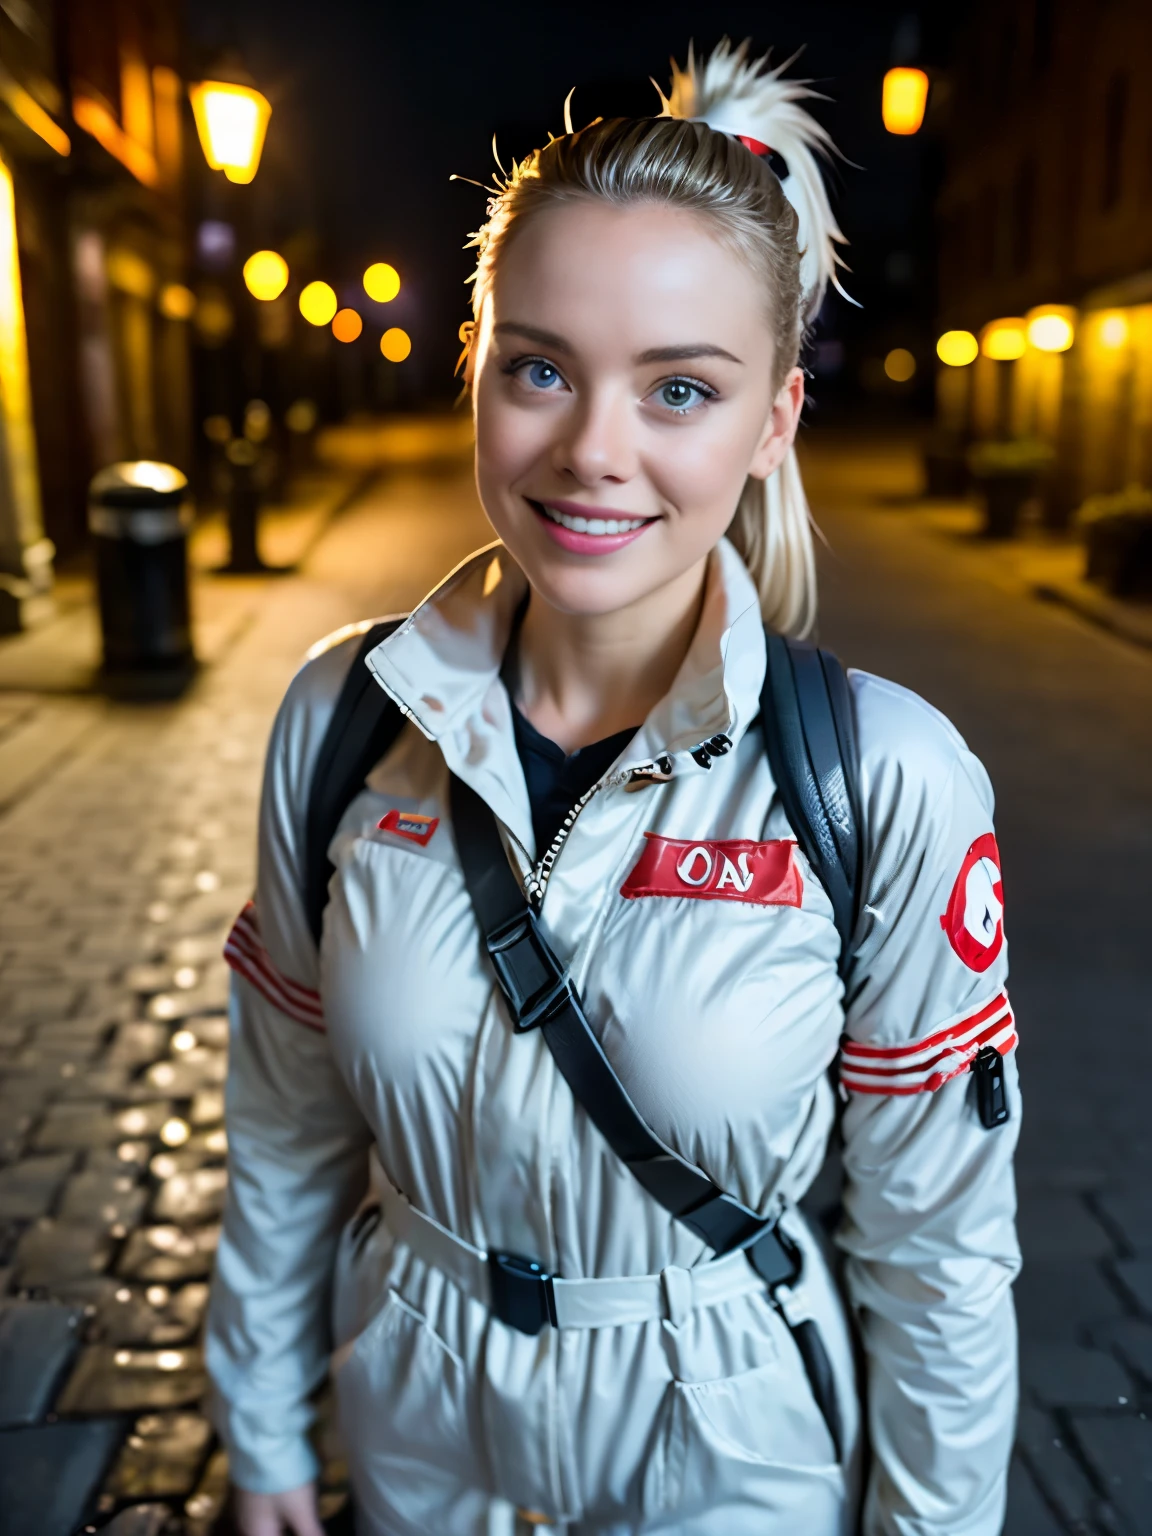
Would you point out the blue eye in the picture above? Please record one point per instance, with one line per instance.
(542, 375)
(680, 396)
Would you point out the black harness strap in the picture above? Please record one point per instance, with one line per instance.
(540, 994)
(363, 726)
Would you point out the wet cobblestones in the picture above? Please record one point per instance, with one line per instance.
(119, 881)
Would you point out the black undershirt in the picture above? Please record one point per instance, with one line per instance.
(556, 781)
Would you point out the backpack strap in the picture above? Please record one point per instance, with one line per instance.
(540, 994)
(810, 735)
(363, 726)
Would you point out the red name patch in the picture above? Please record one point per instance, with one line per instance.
(764, 873)
(417, 829)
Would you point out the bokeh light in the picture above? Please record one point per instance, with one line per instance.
(347, 325)
(1051, 329)
(904, 98)
(300, 417)
(1003, 340)
(177, 302)
(900, 365)
(214, 321)
(1114, 331)
(956, 349)
(395, 344)
(381, 282)
(266, 275)
(318, 303)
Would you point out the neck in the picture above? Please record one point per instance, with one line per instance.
(582, 677)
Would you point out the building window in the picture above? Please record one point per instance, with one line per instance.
(1023, 216)
(1115, 125)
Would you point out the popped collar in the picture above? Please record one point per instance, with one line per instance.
(442, 667)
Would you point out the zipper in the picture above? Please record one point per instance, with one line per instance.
(658, 771)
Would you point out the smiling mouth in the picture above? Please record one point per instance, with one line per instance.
(597, 527)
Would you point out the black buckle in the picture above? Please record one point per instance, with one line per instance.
(775, 1258)
(522, 1294)
(532, 979)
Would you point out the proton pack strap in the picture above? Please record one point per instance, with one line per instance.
(540, 994)
(363, 726)
(810, 736)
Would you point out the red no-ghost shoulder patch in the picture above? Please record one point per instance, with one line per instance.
(974, 921)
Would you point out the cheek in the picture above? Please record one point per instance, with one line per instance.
(701, 466)
(508, 440)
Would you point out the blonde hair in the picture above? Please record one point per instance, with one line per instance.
(692, 157)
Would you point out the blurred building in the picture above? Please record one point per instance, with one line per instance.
(1045, 236)
(93, 308)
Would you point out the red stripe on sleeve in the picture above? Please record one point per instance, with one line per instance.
(922, 1066)
(245, 953)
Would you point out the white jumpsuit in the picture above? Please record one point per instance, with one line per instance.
(706, 954)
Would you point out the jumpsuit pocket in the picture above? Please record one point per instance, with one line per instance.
(403, 1399)
(752, 1445)
(758, 1417)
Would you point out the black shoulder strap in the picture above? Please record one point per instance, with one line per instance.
(810, 735)
(540, 995)
(363, 726)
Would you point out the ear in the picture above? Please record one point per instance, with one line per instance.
(780, 428)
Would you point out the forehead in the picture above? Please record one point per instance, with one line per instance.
(641, 274)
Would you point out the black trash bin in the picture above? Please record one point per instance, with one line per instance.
(139, 516)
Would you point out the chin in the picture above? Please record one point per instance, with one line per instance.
(585, 594)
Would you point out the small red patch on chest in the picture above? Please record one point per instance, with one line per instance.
(417, 829)
(738, 870)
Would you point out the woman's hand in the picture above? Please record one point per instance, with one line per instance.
(272, 1514)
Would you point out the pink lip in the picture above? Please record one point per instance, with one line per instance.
(588, 543)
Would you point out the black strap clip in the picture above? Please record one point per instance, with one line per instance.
(775, 1258)
(522, 1293)
(532, 979)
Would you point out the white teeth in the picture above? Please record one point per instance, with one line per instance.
(596, 526)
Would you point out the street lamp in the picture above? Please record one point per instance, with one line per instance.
(231, 120)
(904, 99)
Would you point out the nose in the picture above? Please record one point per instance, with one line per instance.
(596, 441)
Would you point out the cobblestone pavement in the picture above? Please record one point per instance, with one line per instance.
(1061, 714)
(121, 870)
(119, 875)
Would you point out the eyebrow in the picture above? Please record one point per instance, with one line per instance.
(686, 354)
(675, 354)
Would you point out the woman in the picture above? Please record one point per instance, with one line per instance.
(640, 300)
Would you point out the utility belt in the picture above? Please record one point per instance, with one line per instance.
(525, 1296)
(522, 1294)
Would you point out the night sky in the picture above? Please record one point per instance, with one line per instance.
(375, 106)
